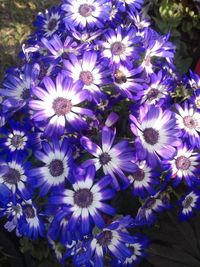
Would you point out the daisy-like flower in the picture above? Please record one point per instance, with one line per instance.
(14, 175)
(138, 252)
(113, 159)
(48, 23)
(125, 82)
(85, 13)
(89, 70)
(58, 161)
(113, 240)
(58, 49)
(86, 201)
(188, 120)
(157, 90)
(156, 134)
(17, 138)
(56, 105)
(147, 213)
(143, 180)
(185, 165)
(189, 203)
(140, 22)
(31, 224)
(120, 45)
(23, 216)
(156, 46)
(17, 87)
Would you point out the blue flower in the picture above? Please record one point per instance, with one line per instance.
(138, 253)
(56, 105)
(120, 45)
(49, 22)
(58, 161)
(17, 87)
(85, 14)
(189, 203)
(17, 138)
(184, 166)
(143, 180)
(85, 202)
(156, 134)
(132, 5)
(112, 240)
(90, 71)
(115, 160)
(188, 120)
(13, 174)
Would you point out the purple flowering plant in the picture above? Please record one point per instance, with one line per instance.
(94, 114)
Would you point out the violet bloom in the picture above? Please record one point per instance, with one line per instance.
(84, 203)
(156, 134)
(90, 71)
(185, 165)
(156, 46)
(188, 120)
(57, 105)
(120, 45)
(86, 13)
(115, 160)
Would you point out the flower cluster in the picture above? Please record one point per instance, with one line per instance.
(94, 110)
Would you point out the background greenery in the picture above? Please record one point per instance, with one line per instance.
(182, 19)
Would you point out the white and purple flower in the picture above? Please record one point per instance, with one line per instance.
(57, 105)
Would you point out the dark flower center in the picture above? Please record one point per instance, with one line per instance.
(12, 176)
(29, 212)
(182, 163)
(25, 94)
(83, 198)
(52, 24)
(152, 94)
(120, 77)
(151, 136)
(139, 175)
(187, 202)
(150, 203)
(62, 106)
(118, 48)
(86, 10)
(17, 140)
(56, 167)
(104, 158)
(189, 122)
(86, 77)
(105, 239)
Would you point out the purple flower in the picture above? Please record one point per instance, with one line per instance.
(125, 82)
(48, 23)
(143, 180)
(90, 14)
(185, 165)
(132, 5)
(90, 71)
(113, 240)
(188, 120)
(56, 105)
(156, 134)
(189, 203)
(85, 202)
(156, 46)
(120, 45)
(17, 87)
(115, 160)
(59, 50)
(14, 175)
(58, 161)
